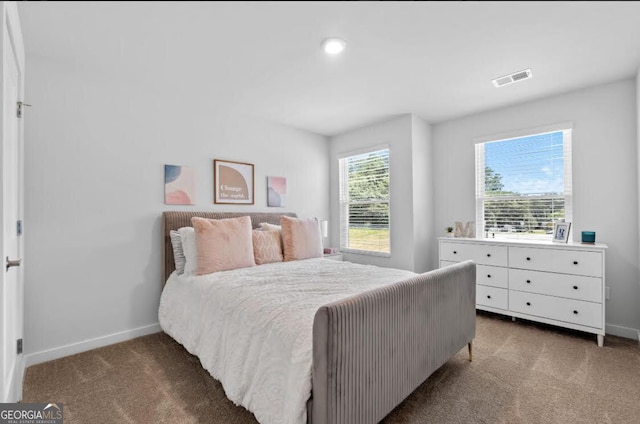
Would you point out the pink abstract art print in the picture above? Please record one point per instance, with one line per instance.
(179, 185)
(276, 191)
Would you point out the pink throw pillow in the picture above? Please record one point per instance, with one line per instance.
(223, 244)
(301, 238)
(267, 246)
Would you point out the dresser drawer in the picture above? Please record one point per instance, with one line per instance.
(492, 296)
(486, 254)
(493, 276)
(456, 252)
(446, 263)
(483, 254)
(557, 308)
(564, 285)
(556, 260)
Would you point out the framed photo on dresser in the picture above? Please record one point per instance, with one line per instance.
(561, 232)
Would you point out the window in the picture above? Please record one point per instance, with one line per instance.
(364, 203)
(523, 185)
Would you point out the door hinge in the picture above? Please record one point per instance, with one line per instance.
(19, 346)
(19, 109)
(19, 228)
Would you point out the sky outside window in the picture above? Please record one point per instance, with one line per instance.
(528, 165)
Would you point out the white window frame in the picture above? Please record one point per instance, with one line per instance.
(566, 128)
(343, 200)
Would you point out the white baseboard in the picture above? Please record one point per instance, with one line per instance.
(13, 385)
(626, 332)
(83, 346)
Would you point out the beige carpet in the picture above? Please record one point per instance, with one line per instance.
(521, 373)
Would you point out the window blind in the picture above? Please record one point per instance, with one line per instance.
(523, 185)
(364, 202)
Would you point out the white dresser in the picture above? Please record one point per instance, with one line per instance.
(553, 283)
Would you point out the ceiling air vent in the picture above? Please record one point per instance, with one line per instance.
(510, 79)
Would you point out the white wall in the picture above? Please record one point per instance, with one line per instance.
(96, 143)
(605, 179)
(425, 251)
(397, 134)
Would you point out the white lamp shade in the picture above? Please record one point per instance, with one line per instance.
(324, 226)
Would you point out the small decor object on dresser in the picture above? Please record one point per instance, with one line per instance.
(470, 230)
(458, 229)
(467, 230)
(276, 191)
(561, 232)
(232, 182)
(179, 185)
(589, 237)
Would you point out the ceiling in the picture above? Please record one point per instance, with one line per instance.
(434, 59)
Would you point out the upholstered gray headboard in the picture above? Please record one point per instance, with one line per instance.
(175, 220)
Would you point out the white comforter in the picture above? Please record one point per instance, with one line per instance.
(252, 327)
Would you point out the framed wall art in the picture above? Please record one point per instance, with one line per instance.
(179, 185)
(232, 182)
(276, 192)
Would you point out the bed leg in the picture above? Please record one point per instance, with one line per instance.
(470, 345)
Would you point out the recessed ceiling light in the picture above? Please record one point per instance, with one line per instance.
(511, 78)
(333, 46)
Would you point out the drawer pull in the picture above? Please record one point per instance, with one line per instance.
(575, 262)
(528, 303)
(488, 275)
(488, 296)
(455, 252)
(528, 281)
(575, 312)
(575, 287)
(528, 258)
(488, 255)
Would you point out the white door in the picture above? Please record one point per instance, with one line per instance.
(11, 291)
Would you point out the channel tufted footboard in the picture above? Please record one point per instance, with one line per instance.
(372, 350)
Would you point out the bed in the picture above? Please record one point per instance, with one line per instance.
(317, 340)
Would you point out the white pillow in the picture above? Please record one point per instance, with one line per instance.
(178, 253)
(270, 227)
(188, 236)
